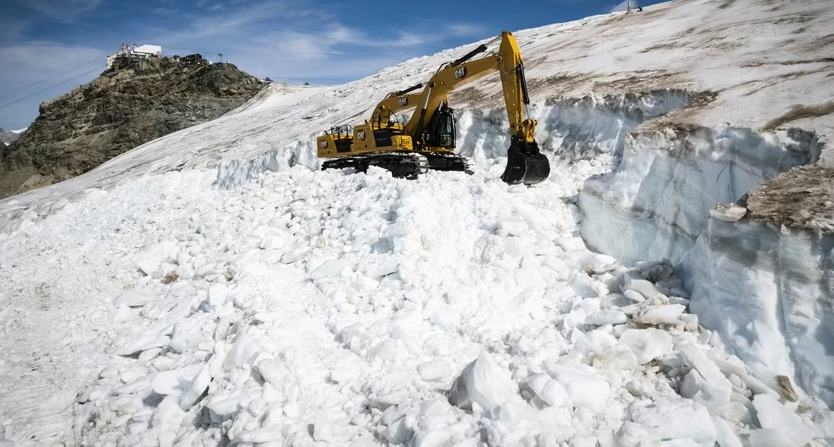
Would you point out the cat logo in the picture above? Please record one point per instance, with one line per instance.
(403, 101)
(460, 72)
(324, 144)
(361, 134)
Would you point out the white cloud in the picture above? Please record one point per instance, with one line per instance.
(237, 23)
(290, 39)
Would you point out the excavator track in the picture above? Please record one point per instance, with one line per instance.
(407, 165)
(448, 162)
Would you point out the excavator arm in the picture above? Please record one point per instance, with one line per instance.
(525, 163)
(427, 140)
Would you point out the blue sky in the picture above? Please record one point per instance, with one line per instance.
(48, 47)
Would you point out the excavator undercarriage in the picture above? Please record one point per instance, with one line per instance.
(401, 164)
(427, 140)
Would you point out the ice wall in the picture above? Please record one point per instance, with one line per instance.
(656, 203)
(569, 130)
(766, 290)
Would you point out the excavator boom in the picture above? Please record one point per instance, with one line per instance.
(430, 130)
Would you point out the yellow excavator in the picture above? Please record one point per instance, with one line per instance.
(427, 140)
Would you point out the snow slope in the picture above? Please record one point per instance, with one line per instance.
(309, 308)
(209, 288)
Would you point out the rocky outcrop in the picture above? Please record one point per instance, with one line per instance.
(132, 103)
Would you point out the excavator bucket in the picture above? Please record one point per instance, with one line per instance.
(525, 164)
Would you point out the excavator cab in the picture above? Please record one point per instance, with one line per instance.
(440, 133)
(385, 125)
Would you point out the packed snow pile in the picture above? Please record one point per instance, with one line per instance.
(309, 308)
(212, 287)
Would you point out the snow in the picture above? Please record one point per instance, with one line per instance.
(584, 388)
(210, 287)
(257, 346)
(647, 344)
(676, 421)
(779, 426)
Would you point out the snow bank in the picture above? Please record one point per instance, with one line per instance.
(767, 292)
(571, 130)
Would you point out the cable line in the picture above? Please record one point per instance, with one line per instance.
(49, 87)
(49, 79)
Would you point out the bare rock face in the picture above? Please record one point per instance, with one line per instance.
(128, 105)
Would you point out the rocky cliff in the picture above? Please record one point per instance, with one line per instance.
(130, 104)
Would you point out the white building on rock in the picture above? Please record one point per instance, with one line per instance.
(135, 52)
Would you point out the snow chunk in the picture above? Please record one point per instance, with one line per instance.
(135, 298)
(272, 371)
(647, 344)
(724, 433)
(608, 316)
(585, 286)
(434, 370)
(634, 296)
(244, 351)
(217, 294)
(585, 389)
(194, 391)
(641, 286)
(168, 416)
(175, 380)
(514, 227)
(720, 388)
(676, 420)
(332, 268)
(616, 357)
(781, 427)
(712, 395)
(662, 314)
(142, 344)
(150, 259)
(482, 382)
(728, 212)
(635, 435)
(549, 391)
(263, 434)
